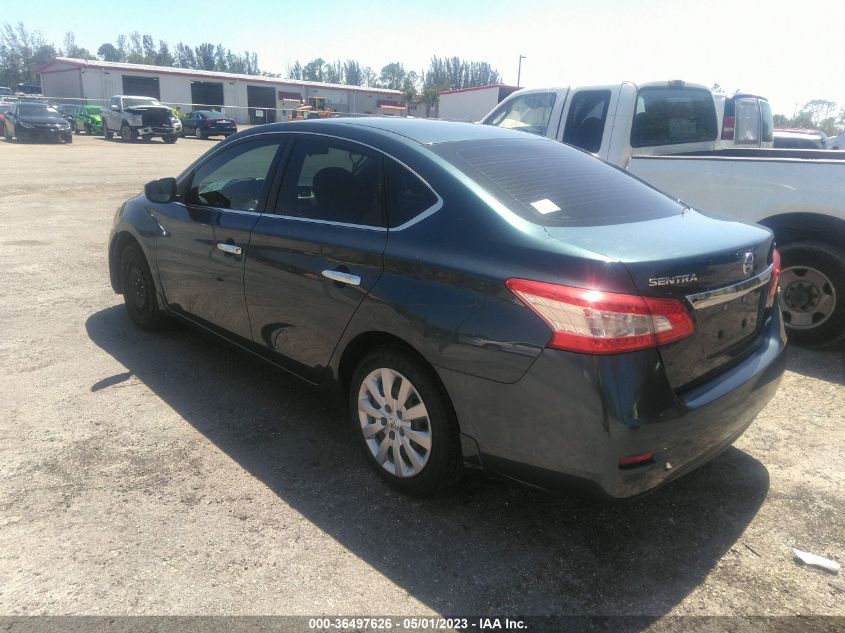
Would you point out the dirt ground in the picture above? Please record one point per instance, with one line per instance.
(167, 474)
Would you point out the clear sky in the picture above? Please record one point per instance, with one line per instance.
(790, 53)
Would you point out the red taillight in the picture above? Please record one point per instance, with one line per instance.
(597, 322)
(208, 123)
(773, 284)
(636, 460)
(728, 128)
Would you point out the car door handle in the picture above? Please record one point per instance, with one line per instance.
(232, 249)
(342, 278)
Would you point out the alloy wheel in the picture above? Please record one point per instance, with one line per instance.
(394, 421)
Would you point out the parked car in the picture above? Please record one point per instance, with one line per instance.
(88, 119)
(205, 123)
(745, 120)
(835, 142)
(36, 122)
(799, 139)
(140, 117)
(667, 134)
(27, 88)
(5, 91)
(592, 329)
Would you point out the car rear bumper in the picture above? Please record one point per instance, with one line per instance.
(571, 418)
(216, 131)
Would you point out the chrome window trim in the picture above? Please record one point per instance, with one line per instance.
(348, 225)
(728, 293)
(422, 215)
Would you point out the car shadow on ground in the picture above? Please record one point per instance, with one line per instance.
(485, 547)
(822, 364)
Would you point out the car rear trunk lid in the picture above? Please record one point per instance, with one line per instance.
(719, 270)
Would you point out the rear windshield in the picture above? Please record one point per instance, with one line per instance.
(669, 116)
(552, 184)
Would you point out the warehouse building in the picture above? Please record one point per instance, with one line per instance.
(470, 104)
(248, 98)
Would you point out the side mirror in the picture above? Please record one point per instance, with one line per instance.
(161, 191)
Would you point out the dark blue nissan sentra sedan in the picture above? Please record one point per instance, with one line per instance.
(479, 296)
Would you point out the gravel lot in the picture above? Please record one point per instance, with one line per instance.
(167, 474)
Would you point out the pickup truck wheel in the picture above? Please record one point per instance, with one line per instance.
(139, 291)
(812, 293)
(404, 422)
(127, 133)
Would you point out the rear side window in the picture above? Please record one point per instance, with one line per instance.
(235, 178)
(332, 181)
(670, 116)
(407, 195)
(552, 184)
(527, 113)
(586, 119)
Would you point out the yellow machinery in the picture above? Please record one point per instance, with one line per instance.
(317, 108)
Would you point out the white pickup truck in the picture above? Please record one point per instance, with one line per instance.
(668, 134)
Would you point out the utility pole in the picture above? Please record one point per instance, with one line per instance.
(519, 72)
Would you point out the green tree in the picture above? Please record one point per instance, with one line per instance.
(392, 76)
(313, 70)
(108, 52)
(352, 73)
(295, 70)
(818, 110)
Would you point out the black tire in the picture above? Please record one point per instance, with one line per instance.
(170, 138)
(128, 134)
(801, 291)
(199, 133)
(444, 463)
(139, 292)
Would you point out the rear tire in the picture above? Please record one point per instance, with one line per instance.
(399, 410)
(199, 133)
(139, 291)
(812, 293)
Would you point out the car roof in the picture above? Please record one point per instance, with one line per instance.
(421, 131)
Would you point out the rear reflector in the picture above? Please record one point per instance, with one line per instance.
(728, 128)
(636, 460)
(597, 322)
(773, 284)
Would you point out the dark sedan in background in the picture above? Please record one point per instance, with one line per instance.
(28, 121)
(479, 296)
(205, 123)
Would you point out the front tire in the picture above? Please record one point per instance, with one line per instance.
(127, 133)
(812, 293)
(139, 291)
(170, 138)
(404, 421)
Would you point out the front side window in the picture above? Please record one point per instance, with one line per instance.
(527, 113)
(586, 119)
(234, 178)
(332, 181)
(670, 116)
(407, 195)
